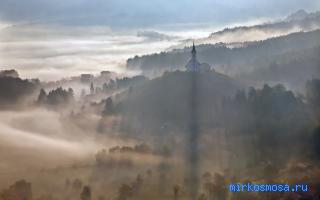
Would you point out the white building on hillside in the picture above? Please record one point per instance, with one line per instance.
(194, 65)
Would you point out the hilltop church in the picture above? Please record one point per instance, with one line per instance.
(194, 65)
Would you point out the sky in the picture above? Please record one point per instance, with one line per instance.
(130, 13)
(51, 39)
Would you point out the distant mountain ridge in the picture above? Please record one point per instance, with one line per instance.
(219, 54)
(240, 38)
(298, 15)
(295, 22)
(254, 56)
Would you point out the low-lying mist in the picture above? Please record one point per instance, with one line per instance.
(232, 115)
(40, 138)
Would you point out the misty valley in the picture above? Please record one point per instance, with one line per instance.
(239, 106)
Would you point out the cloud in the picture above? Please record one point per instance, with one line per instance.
(54, 52)
(52, 141)
(154, 35)
(128, 13)
(30, 143)
(52, 39)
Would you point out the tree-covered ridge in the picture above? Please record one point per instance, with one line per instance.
(56, 97)
(290, 54)
(219, 54)
(166, 99)
(262, 119)
(15, 90)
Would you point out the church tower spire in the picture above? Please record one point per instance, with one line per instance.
(193, 64)
(194, 51)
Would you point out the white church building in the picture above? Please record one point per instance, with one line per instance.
(194, 65)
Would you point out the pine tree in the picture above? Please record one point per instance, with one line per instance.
(42, 98)
(91, 88)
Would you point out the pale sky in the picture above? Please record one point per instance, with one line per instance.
(138, 13)
(52, 39)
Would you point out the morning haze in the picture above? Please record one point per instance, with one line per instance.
(158, 100)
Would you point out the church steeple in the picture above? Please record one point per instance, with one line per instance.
(193, 65)
(194, 51)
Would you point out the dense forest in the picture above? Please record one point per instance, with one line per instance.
(285, 54)
(263, 134)
(263, 118)
(160, 131)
